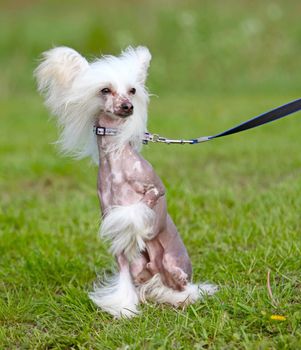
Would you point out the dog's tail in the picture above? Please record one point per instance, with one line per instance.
(127, 228)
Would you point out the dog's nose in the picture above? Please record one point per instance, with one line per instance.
(127, 107)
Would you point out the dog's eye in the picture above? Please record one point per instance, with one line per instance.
(105, 91)
(133, 91)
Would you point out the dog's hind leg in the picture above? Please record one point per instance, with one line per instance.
(117, 295)
(155, 290)
(138, 269)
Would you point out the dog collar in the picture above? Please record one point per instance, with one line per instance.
(102, 131)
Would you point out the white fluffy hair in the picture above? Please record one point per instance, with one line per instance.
(155, 290)
(127, 227)
(71, 87)
(117, 295)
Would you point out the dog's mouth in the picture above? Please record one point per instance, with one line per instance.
(116, 115)
(123, 114)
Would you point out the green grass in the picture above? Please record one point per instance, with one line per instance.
(236, 201)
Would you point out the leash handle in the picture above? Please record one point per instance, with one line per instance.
(267, 117)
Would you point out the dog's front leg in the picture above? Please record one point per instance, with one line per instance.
(152, 193)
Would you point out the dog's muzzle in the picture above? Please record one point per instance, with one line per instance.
(126, 109)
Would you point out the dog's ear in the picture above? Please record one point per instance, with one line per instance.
(58, 69)
(142, 58)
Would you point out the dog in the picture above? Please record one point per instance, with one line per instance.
(110, 93)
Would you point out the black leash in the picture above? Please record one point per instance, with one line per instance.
(267, 117)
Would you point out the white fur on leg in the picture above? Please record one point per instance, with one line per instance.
(127, 227)
(155, 290)
(207, 289)
(117, 296)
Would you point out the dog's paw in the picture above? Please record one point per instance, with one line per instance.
(175, 278)
(179, 276)
(142, 277)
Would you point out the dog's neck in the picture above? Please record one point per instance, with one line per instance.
(105, 142)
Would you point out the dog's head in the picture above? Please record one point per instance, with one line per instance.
(78, 93)
(119, 81)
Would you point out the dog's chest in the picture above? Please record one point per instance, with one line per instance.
(122, 178)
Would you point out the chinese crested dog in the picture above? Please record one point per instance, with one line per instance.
(110, 94)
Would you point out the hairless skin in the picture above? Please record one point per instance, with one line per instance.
(126, 178)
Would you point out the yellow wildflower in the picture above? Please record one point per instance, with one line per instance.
(278, 318)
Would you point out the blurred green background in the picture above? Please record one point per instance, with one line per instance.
(236, 201)
(198, 46)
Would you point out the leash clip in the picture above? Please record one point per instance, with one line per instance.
(155, 137)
